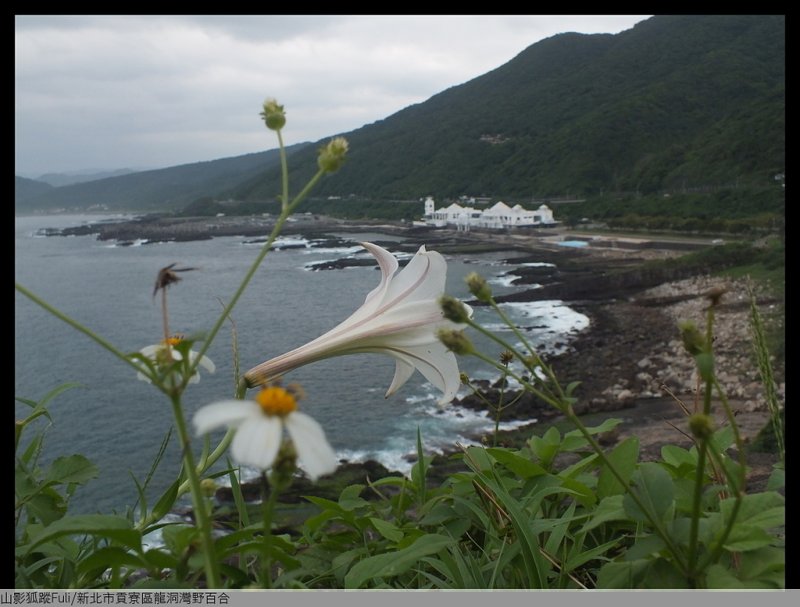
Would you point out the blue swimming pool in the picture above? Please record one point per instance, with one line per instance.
(573, 243)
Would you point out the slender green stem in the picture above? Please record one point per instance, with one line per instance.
(78, 326)
(737, 437)
(284, 172)
(499, 340)
(251, 272)
(202, 519)
(499, 406)
(269, 498)
(700, 475)
(514, 328)
(201, 467)
(736, 484)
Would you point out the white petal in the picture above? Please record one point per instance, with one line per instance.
(423, 278)
(224, 413)
(150, 351)
(141, 376)
(402, 372)
(257, 442)
(313, 450)
(388, 265)
(205, 361)
(436, 363)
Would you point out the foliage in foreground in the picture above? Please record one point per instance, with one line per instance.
(559, 512)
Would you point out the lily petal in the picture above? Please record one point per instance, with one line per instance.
(313, 450)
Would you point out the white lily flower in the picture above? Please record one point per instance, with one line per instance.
(164, 354)
(259, 431)
(400, 317)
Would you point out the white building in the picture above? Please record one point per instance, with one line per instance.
(499, 216)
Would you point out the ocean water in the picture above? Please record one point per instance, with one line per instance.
(119, 422)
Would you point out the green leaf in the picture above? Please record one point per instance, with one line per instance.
(519, 465)
(663, 574)
(581, 558)
(350, 498)
(762, 562)
(747, 537)
(394, 563)
(48, 505)
(160, 559)
(545, 447)
(386, 529)
(777, 479)
(582, 494)
(478, 459)
(678, 456)
(71, 469)
(109, 556)
(238, 498)
(166, 501)
(340, 564)
(609, 509)
(653, 486)
(109, 526)
(179, 537)
(438, 514)
(622, 575)
(765, 510)
(623, 458)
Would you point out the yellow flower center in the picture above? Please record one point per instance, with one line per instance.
(276, 401)
(173, 341)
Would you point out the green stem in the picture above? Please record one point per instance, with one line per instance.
(251, 272)
(700, 475)
(201, 467)
(202, 519)
(78, 326)
(284, 172)
(499, 340)
(515, 329)
(736, 484)
(499, 407)
(268, 503)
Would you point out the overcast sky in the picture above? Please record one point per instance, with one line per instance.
(142, 92)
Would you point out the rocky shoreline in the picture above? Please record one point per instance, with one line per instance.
(630, 361)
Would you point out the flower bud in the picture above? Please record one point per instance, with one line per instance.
(208, 487)
(506, 357)
(478, 287)
(693, 340)
(331, 156)
(453, 309)
(456, 341)
(701, 425)
(273, 115)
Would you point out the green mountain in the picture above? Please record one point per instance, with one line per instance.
(675, 102)
(25, 188)
(160, 189)
(61, 179)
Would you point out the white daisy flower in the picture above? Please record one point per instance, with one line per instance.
(259, 427)
(166, 354)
